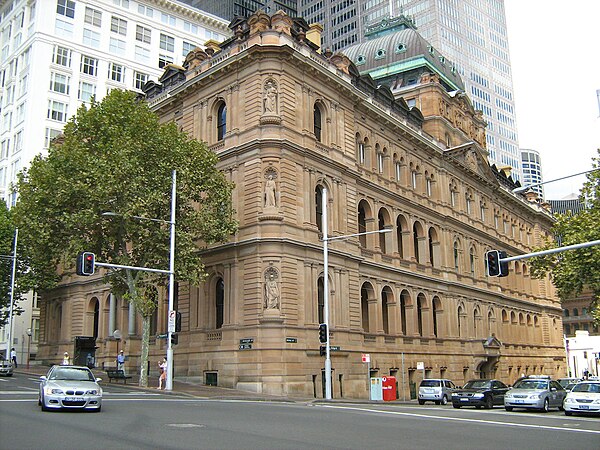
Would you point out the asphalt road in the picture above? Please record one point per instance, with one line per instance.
(135, 419)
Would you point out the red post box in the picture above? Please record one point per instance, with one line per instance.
(388, 386)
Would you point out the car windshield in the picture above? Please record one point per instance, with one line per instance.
(71, 373)
(587, 387)
(531, 384)
(430, 383)
(477, 384)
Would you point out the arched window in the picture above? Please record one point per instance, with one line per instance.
(317, 122)
(403, 302)
(319, 207)
(456, 255)
(432, 239)
(219, 302)
(384, 311)
(364, 307)
(575, 312)
(472, 261)
(566, 313)
(416, 227)
(96, 319)
(420, 301)
(221, 121)
(362, 223)
(435, 309)
(399, 233)
(381, 220)
(461, 320)
(321, 300)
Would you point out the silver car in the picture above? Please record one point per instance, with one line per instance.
(583, 398)
(436, 390)
(6, 368)
(70, 387)
(535, 393)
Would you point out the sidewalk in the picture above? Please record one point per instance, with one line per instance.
(193, 387)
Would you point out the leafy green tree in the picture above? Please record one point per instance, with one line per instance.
(576, 271)
(7, 237)
(117, 157)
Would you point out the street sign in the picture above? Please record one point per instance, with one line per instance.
(247, 341)
(245, 346)
(420, 366)
(334, 348)
(172, 319)
(291, 340)
(366, 357)
(161, 336)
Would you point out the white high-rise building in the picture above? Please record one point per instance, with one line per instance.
(532, 170)
(58, 54)
(470, 33)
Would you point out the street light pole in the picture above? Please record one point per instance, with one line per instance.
(12, 296)
(169, 383)
(326, 239)
(326, 298)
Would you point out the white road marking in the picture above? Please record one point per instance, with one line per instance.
(461, 419)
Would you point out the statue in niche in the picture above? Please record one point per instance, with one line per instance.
(270, 97)
(271, 289)
(270, 191)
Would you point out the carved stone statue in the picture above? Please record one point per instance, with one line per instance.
(270, 192)
(271, 290)
(270, 97)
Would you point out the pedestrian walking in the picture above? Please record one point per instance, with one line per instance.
(121, 361)
(163, 373)
(66, 360)
(13, 357)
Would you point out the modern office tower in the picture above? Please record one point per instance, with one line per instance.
(532, 170)
(58, 54)
(55, 55)
(230, 9)
(471, 33)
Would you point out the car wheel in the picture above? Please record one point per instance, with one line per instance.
(444, 400)
(508, 408)
(456, 405)
(421, 402)
(546, 407)
(568, 413)
(489, 403)
(43, 404)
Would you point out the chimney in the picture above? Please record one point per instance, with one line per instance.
(314, 34)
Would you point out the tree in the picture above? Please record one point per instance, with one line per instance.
(7, 237)
(576, 271)
(116, 156)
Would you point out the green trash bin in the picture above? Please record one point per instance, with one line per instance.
(413, 390)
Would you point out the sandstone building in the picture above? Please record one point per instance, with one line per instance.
(289, 121)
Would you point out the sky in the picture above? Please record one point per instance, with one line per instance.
(555, 58)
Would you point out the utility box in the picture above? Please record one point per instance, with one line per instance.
(389, 388)
(85, 351)
(376, 391)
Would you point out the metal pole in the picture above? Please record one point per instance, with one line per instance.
(169, 383)
(12, 296)
(326, 298)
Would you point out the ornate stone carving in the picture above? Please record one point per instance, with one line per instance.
(271, 288)
(270, 97)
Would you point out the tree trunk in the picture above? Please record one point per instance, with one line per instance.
(144, 356)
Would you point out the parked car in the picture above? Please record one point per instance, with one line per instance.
(565, 381)
(583, 398)
(535, 393)
(6, 368)
(70, 387)
(436, 390)
(478, 393)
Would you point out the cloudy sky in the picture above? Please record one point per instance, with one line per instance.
(555, 56)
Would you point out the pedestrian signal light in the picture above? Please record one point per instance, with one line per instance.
(323, 333)
(177, 322)
(322, 350)
(85, 263)
(174, 339)
(494, 264)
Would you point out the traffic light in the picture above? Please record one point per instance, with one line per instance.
(85, 263)
(174, 339)
(323, 333)
(495, 267)
(177, 322)
(322, 350)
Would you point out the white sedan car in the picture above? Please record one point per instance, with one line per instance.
(583, 398)
(70, 387)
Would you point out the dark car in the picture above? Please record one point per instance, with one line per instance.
(480, 393)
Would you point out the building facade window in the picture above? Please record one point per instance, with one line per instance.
(61, 56)
(59, 83)
(89, 65)
(221, 121)
(163, 60)
(118, 25)
(143, 34)
(65, 8)
(50, 134)
(167, 42)
(139, 80)
(317, 124)
(86, 91)
(117, 46)
(93, 16)
(57, 111)
(91, 38)
(116, 72)
(219, 303)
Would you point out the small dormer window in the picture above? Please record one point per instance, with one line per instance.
(443, 60)
(380, 54)
(400, 48)
(430, 48)
(361, 60)
(453, 70)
